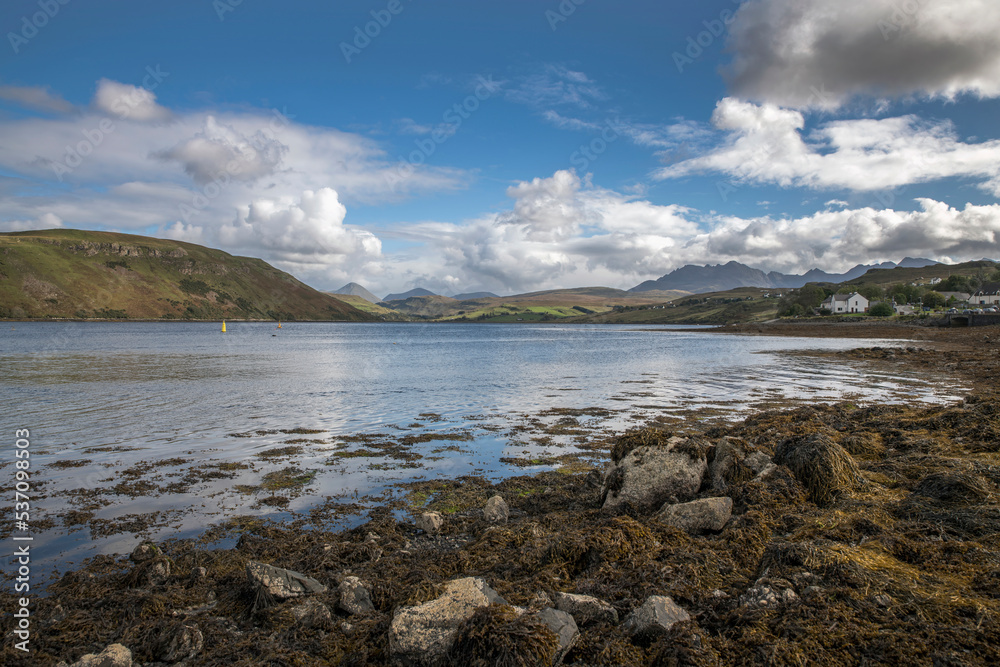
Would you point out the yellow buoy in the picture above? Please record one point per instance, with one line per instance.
(279, 324)
(223, 326)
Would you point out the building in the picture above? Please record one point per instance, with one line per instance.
(846, 303)
(960, 297)
(987, 295)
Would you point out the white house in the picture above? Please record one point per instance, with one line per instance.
(987, 295)
(846, 303)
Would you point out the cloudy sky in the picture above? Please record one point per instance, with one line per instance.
(509, 145)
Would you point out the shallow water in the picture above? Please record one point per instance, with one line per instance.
(103, 397)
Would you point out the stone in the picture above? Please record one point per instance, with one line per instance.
(654, 617)
(586, 610)
(354, 597)
(768, 595)
(144, 552)
(280, 583)
(729, 466)
(425, 633)
(758, 461)
(182, 642)
(496, 510)
(114, 655)
(698, 516)
(312, 613)
(648, 476)
(430, 522)
(198, 573)
(564, 626)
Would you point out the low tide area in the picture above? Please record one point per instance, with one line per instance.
(860, 474)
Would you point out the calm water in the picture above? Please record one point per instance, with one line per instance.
(180, 390)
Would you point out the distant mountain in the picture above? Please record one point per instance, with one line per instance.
(74, 273)
(475, 295)
(354, 289)
(721, 277)
(419, 291)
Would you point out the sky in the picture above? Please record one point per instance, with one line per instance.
(509, 145)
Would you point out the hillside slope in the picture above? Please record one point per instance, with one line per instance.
(84, 274)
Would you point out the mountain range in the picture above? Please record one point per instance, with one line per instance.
(721, 277)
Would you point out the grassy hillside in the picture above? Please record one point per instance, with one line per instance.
(73, 273)
(744, 304)
(373, 309)
(886, 277)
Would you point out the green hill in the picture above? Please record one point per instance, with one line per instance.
(68, 273)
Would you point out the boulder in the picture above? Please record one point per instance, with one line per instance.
(729, 465)
(181, 642)
(430, 522)
(312, 613)
(564, 627)
(280, 583)
(698, 516)
(496, 510)
(648, 476)
(353, 597)
(114, 655)
(425, 633)
(654, 617)
(145, 551)
(586, 610)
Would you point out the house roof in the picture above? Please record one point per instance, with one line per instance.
(842, 297)
(988, 289)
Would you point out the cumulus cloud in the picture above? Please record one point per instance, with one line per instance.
(308, 230)
(35, 97)
(44, 221)
(765, 144)
(816, 53)
(123, 101)
(220, 151)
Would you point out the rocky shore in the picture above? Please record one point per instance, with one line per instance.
(827, 535)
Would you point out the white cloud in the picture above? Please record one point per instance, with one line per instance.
(556, 85)
(816, 53)
(44, 221)
(765, 144)
(123, 101)
(35, 97)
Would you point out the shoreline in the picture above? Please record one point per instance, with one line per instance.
(907, 514)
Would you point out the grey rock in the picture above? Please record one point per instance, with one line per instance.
(655, 616)
(562, 624)
(144, 552)
(425, 633)
(698, 516)
(182, 642)
(312, 613)
(496, 510)
(430, 522)
(586, 610)
(114, 655)
(198, 573)
(647, 477)
(757, 461)
(353, 597)
(280, 583)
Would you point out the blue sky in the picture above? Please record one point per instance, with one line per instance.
(509, 145)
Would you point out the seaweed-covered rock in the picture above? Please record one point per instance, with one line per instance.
(145, 551)
(496, 510)
(354, 597)
(729, 465)
(114, 655)
(563, 626)
(768, 595)
(280, 583)
(698, 516)
(507, 636)
(312, 613)
(586, 610)
(650, 475)
(825, 468)
(425, 633)
(181, 642)
(430, 522)
(654, 617)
